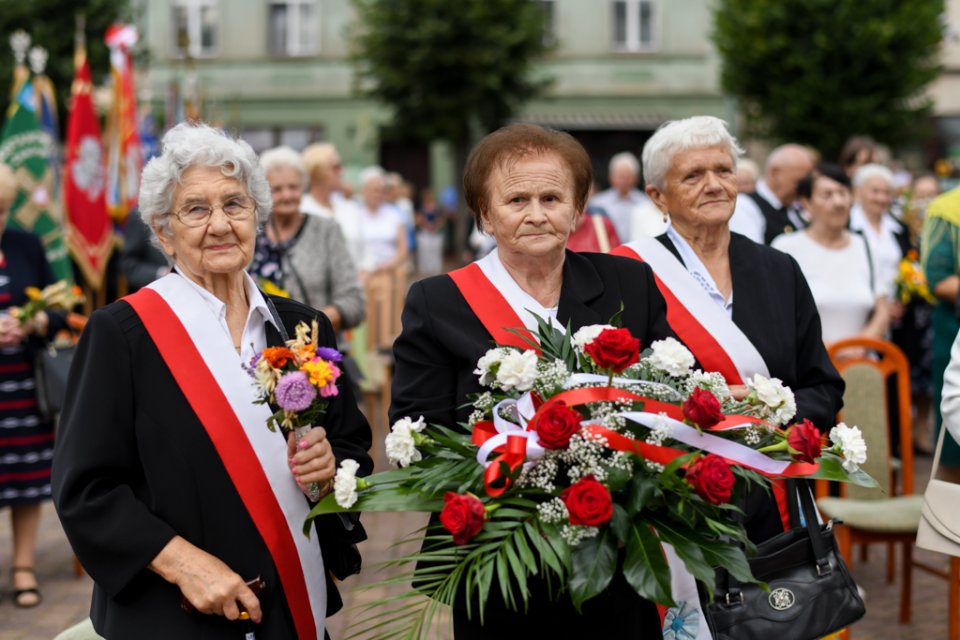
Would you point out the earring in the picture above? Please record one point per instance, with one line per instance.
(665, 216)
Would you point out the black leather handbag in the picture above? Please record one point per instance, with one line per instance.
(51, 366)
(811, 591)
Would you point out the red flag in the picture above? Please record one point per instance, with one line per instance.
(124, 161)
(89, 232)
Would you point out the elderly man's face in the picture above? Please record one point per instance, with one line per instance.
(623, 178)
(875, 195)
(700, 189)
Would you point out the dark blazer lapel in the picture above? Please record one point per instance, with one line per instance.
(664, 239)
(581, 286)
(747, 309)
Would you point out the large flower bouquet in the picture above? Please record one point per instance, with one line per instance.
(296, 381)
(579, 448)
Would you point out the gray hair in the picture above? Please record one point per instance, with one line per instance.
(190, 145)
(870, 171)
(626, 159)
(371, 173)
(682, 135)
(284, 158)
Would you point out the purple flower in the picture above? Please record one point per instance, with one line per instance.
(294, 391)
(251, 368)
(329, 354)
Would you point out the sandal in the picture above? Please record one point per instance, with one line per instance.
(19, 594)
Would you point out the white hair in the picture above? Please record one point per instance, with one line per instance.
(371, 173)
(190, 145)
(870, 171)
(284, 158)
(751, 167)
(682, 135)
(626, 159)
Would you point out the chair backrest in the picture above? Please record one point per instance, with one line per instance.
(865, 404)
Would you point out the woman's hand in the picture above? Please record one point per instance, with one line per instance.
(311, 459)
(11, 333)
(205, 581)
(738, 391)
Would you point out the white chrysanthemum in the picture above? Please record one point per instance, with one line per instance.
(670, 356)
(852, 445)
(518, 370)
(345, 483)
(400, 444)
(778, 398)
(586, 335)
(487, 364)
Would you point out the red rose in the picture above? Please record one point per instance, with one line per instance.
(712, 479)
(555, 424)
(588, 502)
(804, 440)
(462, 515)
(702, 409)
(614, 349)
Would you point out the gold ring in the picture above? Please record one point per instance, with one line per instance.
(244, 615)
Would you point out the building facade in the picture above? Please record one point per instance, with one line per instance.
(277, 72)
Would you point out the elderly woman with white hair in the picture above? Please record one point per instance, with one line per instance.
(384, 229)
(306, 256)
(888, 239)
(185, 509)
(741, 307)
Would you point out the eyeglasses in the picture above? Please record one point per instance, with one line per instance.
(198, 214)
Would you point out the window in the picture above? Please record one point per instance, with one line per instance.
(634, 28)
(549, 22)
(195, 28)
(292, 28)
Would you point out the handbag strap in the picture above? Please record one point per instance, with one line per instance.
(812, 525)
(936, 456)
(276, 318)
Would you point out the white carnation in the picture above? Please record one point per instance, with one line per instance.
(851, 444)
(345, 483)
(671, 356)
(400, 444)
(586, 335)
(487, 364)
(778, 398)
(518, 370)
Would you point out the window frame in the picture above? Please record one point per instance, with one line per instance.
(632, 42)
(307, 35)
(193, 10)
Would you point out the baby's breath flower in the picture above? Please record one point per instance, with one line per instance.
(575, 534)
(541, 474)
(553, 512)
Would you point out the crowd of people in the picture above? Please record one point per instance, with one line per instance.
(230, 251)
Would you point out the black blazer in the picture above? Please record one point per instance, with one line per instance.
(442, 339)
(773, 306)
(436, 354)
(133, 467)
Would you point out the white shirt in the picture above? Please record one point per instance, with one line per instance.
(619, 208)
(748, 219)
(646, 221)
(839, 280)
(699, 271)
(254, 338)
(347, 214)
(884, 249)
(380, 232)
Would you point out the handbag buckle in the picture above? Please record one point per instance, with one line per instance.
(823, 568)
(734, 598)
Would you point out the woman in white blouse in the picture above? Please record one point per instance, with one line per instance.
(835, 261)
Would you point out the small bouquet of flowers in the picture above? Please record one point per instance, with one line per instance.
(296, 381)
(579, 448)
(59, 296)
(911, 282)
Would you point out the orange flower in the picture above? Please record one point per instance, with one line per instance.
(277, 356)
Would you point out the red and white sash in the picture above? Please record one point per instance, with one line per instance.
(208, 370)
(498, 301)
(700, 323)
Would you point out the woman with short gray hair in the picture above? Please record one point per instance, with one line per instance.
(184, 508)
(305, 256)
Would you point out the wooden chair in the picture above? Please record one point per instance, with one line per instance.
(886, 514)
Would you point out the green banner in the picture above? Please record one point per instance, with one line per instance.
(25, 148)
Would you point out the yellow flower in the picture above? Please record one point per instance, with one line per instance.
(318, 372)
(33, 293)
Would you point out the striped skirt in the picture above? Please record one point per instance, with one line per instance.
(26, 440)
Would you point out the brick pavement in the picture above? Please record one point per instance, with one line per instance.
(66, 597)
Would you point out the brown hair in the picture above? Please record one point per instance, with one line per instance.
(512, 143)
